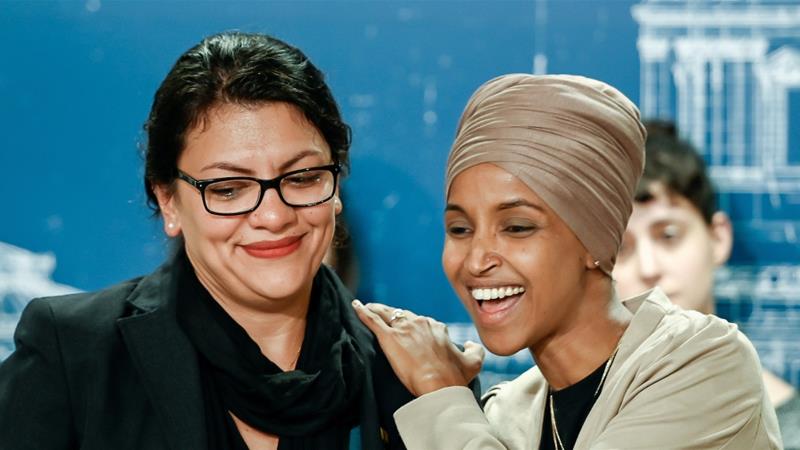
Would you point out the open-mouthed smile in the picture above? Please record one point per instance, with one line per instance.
(494, 303)
(495, 293)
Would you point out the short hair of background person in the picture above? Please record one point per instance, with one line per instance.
(242, 338)
(677, 237)
(674, 163)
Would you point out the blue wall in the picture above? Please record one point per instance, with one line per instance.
(76, 86)
(77, 79)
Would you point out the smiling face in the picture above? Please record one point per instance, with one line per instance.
(516, 266)
(272, 253)
(668, 244)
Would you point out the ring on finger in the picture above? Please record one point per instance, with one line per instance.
(397, 314)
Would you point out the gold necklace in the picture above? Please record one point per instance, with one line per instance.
(553, 426)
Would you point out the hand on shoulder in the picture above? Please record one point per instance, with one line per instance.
(419, 349)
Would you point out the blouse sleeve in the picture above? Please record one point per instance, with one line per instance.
(706, 394)
(447, 419)
(34, 401)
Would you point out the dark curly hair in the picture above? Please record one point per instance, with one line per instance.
(240, 68)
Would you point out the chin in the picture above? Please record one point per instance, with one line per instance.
(279, 293)
(278, 284)
(499, 344)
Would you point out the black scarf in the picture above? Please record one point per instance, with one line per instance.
(312, 407)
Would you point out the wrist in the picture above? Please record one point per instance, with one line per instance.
(433, 382)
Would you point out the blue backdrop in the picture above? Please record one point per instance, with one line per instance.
(77, 79)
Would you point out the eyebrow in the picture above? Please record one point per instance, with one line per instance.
(454, 207)
(664, 221)
(250, 172)
(516, 203)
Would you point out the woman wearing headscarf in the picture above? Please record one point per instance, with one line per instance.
(539, 187)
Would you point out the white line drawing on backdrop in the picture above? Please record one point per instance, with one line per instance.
(24, 275)
(728, 73)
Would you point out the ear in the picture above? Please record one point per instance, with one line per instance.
(721, 237)
(590, 262)
(337, 204)
(169, 212)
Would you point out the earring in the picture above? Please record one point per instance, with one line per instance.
(170, 225)
(596, 263)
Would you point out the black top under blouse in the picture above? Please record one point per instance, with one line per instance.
(572, 405)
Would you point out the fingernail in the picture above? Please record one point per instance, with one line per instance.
(357, 303)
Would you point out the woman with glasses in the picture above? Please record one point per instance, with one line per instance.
(242, 339)
(539, 187)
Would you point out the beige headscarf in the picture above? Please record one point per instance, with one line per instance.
(577, 143)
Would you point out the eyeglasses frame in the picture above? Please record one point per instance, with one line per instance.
(266, 185)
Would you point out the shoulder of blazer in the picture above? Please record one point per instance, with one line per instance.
(97, 312)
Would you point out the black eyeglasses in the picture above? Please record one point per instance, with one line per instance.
(232, 196)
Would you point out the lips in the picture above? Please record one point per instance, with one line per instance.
(493, 304)
(273, 249)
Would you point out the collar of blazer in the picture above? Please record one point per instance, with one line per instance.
(165, 359)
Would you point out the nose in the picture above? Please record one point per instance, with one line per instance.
(272, 213)
(648, 262)
(482, 258)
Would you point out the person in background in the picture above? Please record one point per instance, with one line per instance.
(539, 187)
(676, 238)
(242, 339)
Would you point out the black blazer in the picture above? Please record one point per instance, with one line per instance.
(114, 370)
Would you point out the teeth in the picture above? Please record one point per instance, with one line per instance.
(496, 292)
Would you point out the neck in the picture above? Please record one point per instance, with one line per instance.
(277, 326)
(709, 307)
(278, 334)
(588, 341)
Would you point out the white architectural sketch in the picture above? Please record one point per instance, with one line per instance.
(765, 302)
(725, 71)
(24, 275)
(728, 73)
